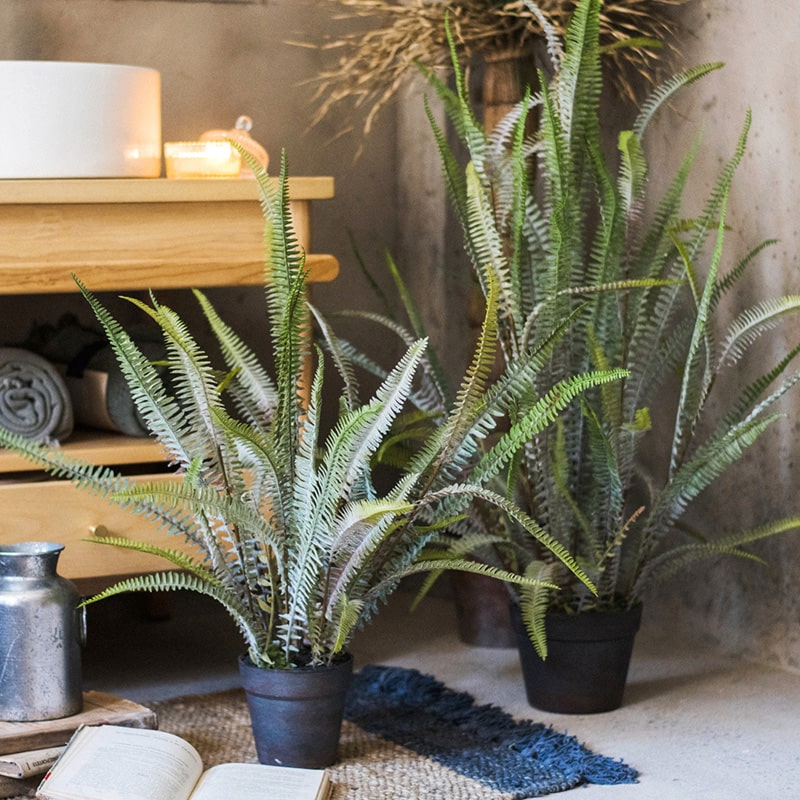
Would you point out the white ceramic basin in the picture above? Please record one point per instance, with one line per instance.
(61, 119)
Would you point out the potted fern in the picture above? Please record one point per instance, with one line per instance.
(584, 241)
(588, 272)
(282, 523)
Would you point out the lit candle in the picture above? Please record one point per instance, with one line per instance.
(214, 159)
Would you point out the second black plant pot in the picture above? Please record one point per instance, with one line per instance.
(588, 655)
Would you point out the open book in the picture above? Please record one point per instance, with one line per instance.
(109, 762)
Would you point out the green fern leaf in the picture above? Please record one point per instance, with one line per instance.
(176, 557)
(258, 393)
(747, 328)
(663, 93)
(534, 601)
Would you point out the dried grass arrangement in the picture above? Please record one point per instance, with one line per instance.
(374, 60)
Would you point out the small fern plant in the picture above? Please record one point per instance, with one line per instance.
(565, 234)
(282, 521)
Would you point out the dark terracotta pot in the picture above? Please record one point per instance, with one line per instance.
(587, 660)
(296, 714)
(482, 610)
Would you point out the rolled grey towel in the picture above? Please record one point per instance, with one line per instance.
(101, 396)
(34, 401)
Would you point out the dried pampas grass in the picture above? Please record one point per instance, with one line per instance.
(374, 60)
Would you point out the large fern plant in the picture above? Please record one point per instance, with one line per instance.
(571, 234)
(284, 523)
(584, 271)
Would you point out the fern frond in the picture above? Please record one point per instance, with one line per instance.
(449, 441)
(304, 491)
(356, 439)
(177, 558)
(633, 170)
(747, 328)
(727, 282)
(554, 48)
(259, 396)
(341, 358)
(439, 563)
(679, 558)
(345, 617)
(285, 278)
(579, 78)
(534, 601)
(455, 180)
(710, 461)
(543, 413)
(694, 389)
(195, 384)
(100, 480)
(156, 406)
(456, 103)
(747, 405)
(182, 581)
(527, 523)
(431, 366)
(364, 529)
(663, 93)
(608, 499)
(204, 502)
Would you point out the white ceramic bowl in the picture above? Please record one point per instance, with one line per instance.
(62, 119)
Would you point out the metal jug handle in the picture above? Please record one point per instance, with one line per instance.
(80, 625)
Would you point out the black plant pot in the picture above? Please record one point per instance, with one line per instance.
(296, 714)
(587, 660)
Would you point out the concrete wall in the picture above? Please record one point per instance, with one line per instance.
(751, 609)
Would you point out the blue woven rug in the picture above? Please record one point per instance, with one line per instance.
(515, 759)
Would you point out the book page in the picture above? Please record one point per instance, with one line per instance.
(116, 763)
(260, 781)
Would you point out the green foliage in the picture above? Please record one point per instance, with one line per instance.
(581, 283)
(281, 516)
(561, 230)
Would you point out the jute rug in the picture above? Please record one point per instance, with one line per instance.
(407, 736)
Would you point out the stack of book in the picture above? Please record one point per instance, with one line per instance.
(29, 749)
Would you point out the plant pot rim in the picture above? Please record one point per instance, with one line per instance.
(597, 612)
(298, 681)
(587, 626)
(343, 660)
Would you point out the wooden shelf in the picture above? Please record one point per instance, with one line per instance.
(153, 190)
(107, 275)
(143, 234)
(123, 235)
(97, 447)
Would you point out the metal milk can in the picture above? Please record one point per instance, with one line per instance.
(41, 634)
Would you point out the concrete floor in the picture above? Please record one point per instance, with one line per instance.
(695, 723)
